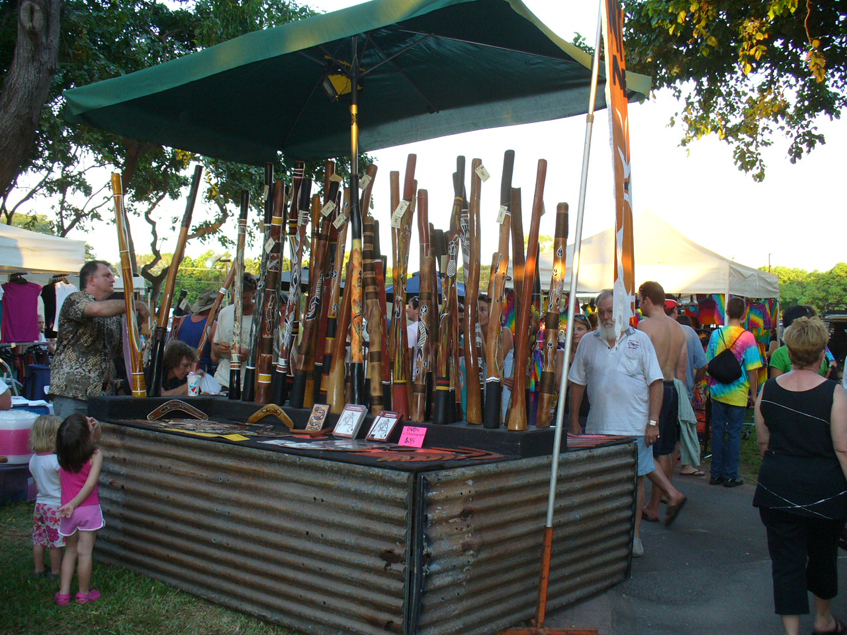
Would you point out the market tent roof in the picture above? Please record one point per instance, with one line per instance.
(24, 251)
(430, 68)
(670, 258)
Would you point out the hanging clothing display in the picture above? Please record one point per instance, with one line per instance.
(20, 314)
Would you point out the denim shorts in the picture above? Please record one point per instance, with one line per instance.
(645, 457)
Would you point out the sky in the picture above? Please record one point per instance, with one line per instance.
(795, 218)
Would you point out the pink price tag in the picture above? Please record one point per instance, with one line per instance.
(412, 436)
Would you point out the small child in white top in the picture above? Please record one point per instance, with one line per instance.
(44, 467)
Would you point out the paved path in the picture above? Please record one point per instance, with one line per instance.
(707, 575)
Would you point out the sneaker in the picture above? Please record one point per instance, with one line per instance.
(717, 480)
(637, 547)
(733, 482)
(84, 598)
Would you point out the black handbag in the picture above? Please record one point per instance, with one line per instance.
(724, 367)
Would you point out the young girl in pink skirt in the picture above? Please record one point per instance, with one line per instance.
(44, 467)
(80, 461)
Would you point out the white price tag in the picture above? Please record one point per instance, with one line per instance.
(482, 173)
(339, 221)
(397, 217)
(335, 177)
(365, 181)
(328, 209)
(265, 191)
(269, 245)
(304, 218)
(501, 215)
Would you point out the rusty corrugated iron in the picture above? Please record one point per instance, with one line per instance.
(320, 546)
(330, 547)
(483, 533)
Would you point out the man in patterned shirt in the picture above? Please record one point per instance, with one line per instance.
(89, 341)
(730, 401)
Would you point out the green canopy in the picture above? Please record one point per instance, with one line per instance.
(429, 68)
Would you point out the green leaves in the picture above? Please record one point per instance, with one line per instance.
(750, 71)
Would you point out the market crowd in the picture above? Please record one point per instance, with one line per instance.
(665, 380)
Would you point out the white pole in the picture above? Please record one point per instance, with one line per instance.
(573, 302)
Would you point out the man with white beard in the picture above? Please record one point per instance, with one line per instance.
(624, 383)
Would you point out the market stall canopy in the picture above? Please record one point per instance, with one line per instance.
(665, 255)
(24, 251)
(429, 68)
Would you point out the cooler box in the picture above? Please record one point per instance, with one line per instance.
(15, 428)
(16, 484)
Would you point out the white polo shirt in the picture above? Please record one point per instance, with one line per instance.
(618, 381)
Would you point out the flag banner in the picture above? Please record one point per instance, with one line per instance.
(616, 98)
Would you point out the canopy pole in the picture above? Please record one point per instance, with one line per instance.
(354, 286)
(547, 545)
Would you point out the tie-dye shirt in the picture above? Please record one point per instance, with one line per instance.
(747, 353)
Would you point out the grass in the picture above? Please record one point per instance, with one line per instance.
(131, 604)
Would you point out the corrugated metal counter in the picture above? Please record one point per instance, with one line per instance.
(326, 546)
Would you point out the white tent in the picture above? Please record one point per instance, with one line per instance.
(25, 251)
(663, 254)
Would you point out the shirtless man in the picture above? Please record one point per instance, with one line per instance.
(668, 339)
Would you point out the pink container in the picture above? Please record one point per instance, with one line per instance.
(15, 429)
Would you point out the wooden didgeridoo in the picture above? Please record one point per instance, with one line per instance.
(472, 366)
(497, 293)
(303, 388)
(400, 247)
(137, 381)
(379, 268)
(551, 321)
(154, 388)
(332, 332)
(422, 353)
(336, 397)
(235, 351)
(268, 316)
(518, 414)
(289, 323)
(279, 379)
(372, 303)
(213, 314)
(249, 391)
(444, 406)
(460, 236)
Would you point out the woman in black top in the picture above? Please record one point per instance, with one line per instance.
(801, 423)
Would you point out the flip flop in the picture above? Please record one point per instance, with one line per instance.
(840, 627)
(694, 473)
(648, 517)
(673, 511)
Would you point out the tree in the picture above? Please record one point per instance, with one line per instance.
(744, 70)
(815, 288)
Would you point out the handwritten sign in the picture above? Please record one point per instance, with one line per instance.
(412, 436)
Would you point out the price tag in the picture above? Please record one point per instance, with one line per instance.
(482, 173)
(339, 221)
(412, 436)
(336, 178)
(184, 305)
(306, 242)
(397, 217)
(265, 191)
(501, 215)
(304, 218)
(269, 245)
(365, 181)
(328, 209)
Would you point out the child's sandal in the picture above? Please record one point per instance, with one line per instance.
(84, 598)
(63, 599)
